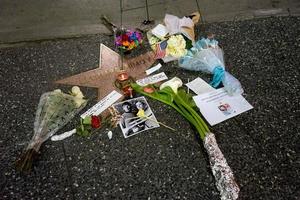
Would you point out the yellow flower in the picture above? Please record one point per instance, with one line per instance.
(141, 113)
(153, 40)
(176, 46)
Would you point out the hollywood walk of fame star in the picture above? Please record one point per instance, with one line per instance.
(110, 63)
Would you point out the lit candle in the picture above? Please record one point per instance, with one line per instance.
(122, 76)
(130, 90)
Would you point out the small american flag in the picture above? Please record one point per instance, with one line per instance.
(160, 49)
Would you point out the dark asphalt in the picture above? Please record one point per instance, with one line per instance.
(261, 146)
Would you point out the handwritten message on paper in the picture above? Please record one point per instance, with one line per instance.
(217, 106)
(199, 86)
(152, 79)
(102, 104)
(153, 69)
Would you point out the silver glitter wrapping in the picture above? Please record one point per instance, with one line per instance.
(225, 182)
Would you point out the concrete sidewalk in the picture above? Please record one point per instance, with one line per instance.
(261, 146)
(33, 20)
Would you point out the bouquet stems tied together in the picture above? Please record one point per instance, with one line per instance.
(55, 109)
(184, 104)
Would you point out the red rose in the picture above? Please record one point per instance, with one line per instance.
(125, 37)
(95, 122)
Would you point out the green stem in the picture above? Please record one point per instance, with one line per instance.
(181, 107)
(161, 123)
(192, 120)
(195, 115)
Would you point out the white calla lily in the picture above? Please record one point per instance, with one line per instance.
(174, 83)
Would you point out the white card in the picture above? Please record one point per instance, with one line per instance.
(152, 79)
(103, 104)
(153, 69)
(160, 31)
(218, 106)
(199, 86)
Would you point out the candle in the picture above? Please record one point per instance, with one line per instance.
(122, 76)
(128, 91)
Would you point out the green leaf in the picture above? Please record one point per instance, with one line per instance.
(165, 95)
(83, 131)
(187, 97)
(181, 102)
(87, 120)
(188, 42)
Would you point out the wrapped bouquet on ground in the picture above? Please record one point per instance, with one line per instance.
(172, 40)
(207, 56)
(55, 109)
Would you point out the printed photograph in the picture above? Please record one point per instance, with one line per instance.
(130, 123)
(225, 109)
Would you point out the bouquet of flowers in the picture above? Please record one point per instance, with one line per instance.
(184, 104)
(172, 40)
(207, 56)
(172, 48)
(126, 40)
(55, 109)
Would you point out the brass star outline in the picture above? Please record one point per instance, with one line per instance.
(104, 76)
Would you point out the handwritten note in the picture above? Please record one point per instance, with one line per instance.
(153, 69)
(199, 86)
(152, 79)
(103, 104)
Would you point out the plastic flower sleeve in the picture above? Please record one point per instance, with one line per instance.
(210, 60)
(55, 109)
(225, 182)
(219, 54)
(232, 85)
(200, 60)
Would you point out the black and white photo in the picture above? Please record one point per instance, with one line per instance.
(130, 123)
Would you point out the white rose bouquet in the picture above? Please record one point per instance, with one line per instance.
(55, 109)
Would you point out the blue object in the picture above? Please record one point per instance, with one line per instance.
(218, 75)
(205, 43)
(210, 60)
(232, 85)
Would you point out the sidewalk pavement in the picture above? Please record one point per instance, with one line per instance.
(261, 146)
(33, 20)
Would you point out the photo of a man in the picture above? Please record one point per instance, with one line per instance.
(127, 114)
(225, 109)
(130, 122)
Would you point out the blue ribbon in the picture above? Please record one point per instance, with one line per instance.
(218, 75)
